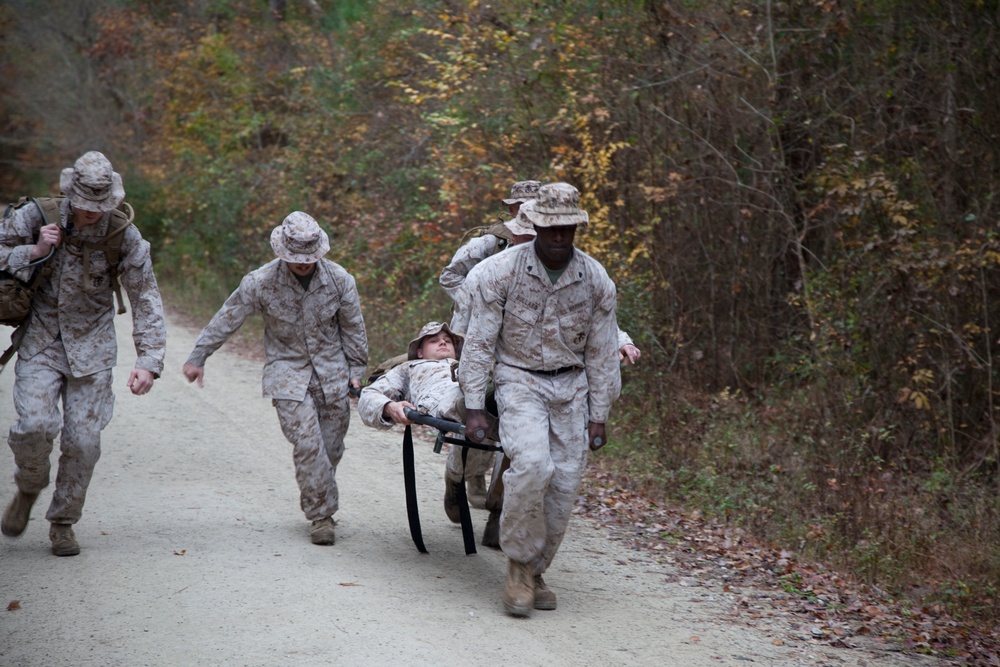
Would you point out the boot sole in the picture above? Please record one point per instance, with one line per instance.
(66, 551)
(545, 606)
(517, 611)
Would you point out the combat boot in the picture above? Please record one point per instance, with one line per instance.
(519, 590)
(451, 495)
(15, 518)
(321, 531)
(544, 598)
(491, 534)
(477, 491)
(63, 540)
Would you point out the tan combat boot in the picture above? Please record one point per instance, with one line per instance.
(544, 598)
(63, 540)
(15, 518)
(321, 531)
(519, 590)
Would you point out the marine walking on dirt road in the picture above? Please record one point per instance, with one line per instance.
(543, 318)
(67, 347)
(316, 350)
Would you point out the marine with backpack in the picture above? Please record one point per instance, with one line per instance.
(70, 254)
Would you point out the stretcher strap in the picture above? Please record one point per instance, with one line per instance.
(463, 511)
(410, 484)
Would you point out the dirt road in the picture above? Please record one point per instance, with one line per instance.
(195, 553)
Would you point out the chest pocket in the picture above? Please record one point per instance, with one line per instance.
(92, 267)
(327, 314)
(519, 322)
(574, 323)
(283, 313)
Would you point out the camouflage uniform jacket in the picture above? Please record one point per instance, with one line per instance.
(320, 329)
(83, 315)
(423, 382)
(519, 318)
(466, 257)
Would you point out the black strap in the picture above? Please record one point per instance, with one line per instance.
(468, 536)
(410, 484)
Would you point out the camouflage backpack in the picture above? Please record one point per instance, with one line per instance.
(498, 229)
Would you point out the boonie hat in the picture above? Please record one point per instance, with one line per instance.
(91, 184)
(557, 205)
(522, 191)
(430, 329)
(519, 224)
(299, 239)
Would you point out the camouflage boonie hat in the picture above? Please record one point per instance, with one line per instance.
(522, 191)
(299, 239)
(91, 184)
(430, 329)
(557, 205)
(519, 225)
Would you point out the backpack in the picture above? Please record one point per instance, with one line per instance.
(16, 295)
(498, 229)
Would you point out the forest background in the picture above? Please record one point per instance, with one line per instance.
(797, 201)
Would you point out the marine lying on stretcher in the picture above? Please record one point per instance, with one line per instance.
(427, 382)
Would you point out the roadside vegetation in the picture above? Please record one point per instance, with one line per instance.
(797, 200)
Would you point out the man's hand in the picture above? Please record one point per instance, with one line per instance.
(475, 422)
(48, 236)
(192, 373)
(629, 354)
(140, 381)
(597, 436)
(394, 412)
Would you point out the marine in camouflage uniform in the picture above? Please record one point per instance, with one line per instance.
(69, 346)
(316, 349)
(543, 317)
(478, 463)
(426, 382)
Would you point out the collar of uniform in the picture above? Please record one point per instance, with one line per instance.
(571, 274)
(320, 277)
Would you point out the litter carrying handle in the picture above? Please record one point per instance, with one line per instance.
(444, 425)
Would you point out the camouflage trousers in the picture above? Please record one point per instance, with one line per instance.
(316, 428)
(41, 384)
(543, 429)
(477, 462)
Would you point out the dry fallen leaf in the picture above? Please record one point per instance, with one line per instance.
(14, 604)
(349, 584)
(181, 552)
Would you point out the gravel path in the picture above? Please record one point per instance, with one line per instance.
(195, 553)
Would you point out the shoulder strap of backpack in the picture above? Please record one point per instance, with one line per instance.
(110, 245)
(121, 219)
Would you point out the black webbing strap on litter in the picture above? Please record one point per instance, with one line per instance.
(463, 511)
(410, 484)
(410, 481)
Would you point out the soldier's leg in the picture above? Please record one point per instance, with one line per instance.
(568, 417)
(313, 471)
(524, 431)
(334, 418)
(88, 404)
(37, 393)
(37, 389)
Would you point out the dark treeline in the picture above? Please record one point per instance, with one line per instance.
(796, 199)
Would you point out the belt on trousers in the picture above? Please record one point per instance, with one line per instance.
(558, 371)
